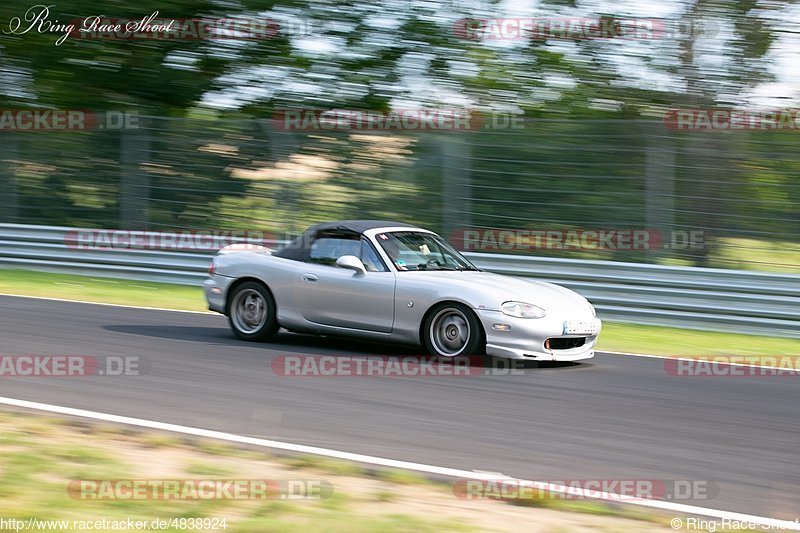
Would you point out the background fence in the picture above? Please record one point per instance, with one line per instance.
(695, 298)
(739, 189)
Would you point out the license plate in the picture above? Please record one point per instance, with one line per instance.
(574, 327)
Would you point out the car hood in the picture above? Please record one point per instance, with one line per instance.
(491, 290)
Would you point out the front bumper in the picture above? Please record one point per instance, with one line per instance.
(525, 337)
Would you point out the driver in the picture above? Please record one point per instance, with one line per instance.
(392, 248)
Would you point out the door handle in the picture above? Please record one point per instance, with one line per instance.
(310, 277)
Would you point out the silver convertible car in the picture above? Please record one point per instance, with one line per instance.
(394, 282)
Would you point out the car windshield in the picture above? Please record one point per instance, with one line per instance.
(412, 250)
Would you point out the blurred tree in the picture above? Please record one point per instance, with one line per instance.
(377, 55)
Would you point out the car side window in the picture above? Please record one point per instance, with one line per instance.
(326, 250)
(369, 256)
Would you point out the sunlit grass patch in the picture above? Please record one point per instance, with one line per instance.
(657, 340)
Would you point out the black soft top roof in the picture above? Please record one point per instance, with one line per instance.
(357, 226)
(299, 248)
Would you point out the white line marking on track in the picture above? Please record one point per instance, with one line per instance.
(709, 358)
(108, 304)
(393, 463)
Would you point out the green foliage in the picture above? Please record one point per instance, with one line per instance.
(208, 157)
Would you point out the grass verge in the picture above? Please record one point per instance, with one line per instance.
(42, 457)
(656, 340)
(102, 290)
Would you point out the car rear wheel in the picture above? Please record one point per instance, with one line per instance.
(452, 329)
(252, 312)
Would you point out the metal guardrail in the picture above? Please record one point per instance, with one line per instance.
(693, 298)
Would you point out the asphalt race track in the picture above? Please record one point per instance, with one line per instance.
(615, 417)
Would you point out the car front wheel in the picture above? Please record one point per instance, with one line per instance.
(252, 312)
(452, 329)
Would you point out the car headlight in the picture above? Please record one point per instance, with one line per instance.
(522, 310)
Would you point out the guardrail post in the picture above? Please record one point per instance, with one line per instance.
(456, 191)
(9, 199)
(134, 183)
(281, 146)
(659, 202)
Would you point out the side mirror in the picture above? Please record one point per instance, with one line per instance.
(351, 262)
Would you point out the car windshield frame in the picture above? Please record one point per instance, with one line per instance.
(447, 258)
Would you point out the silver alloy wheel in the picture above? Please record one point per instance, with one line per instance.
(449, 332)
(249, 311)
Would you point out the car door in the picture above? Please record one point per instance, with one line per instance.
(333, 296)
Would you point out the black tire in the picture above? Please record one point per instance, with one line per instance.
(252, 313)
(451, 329)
